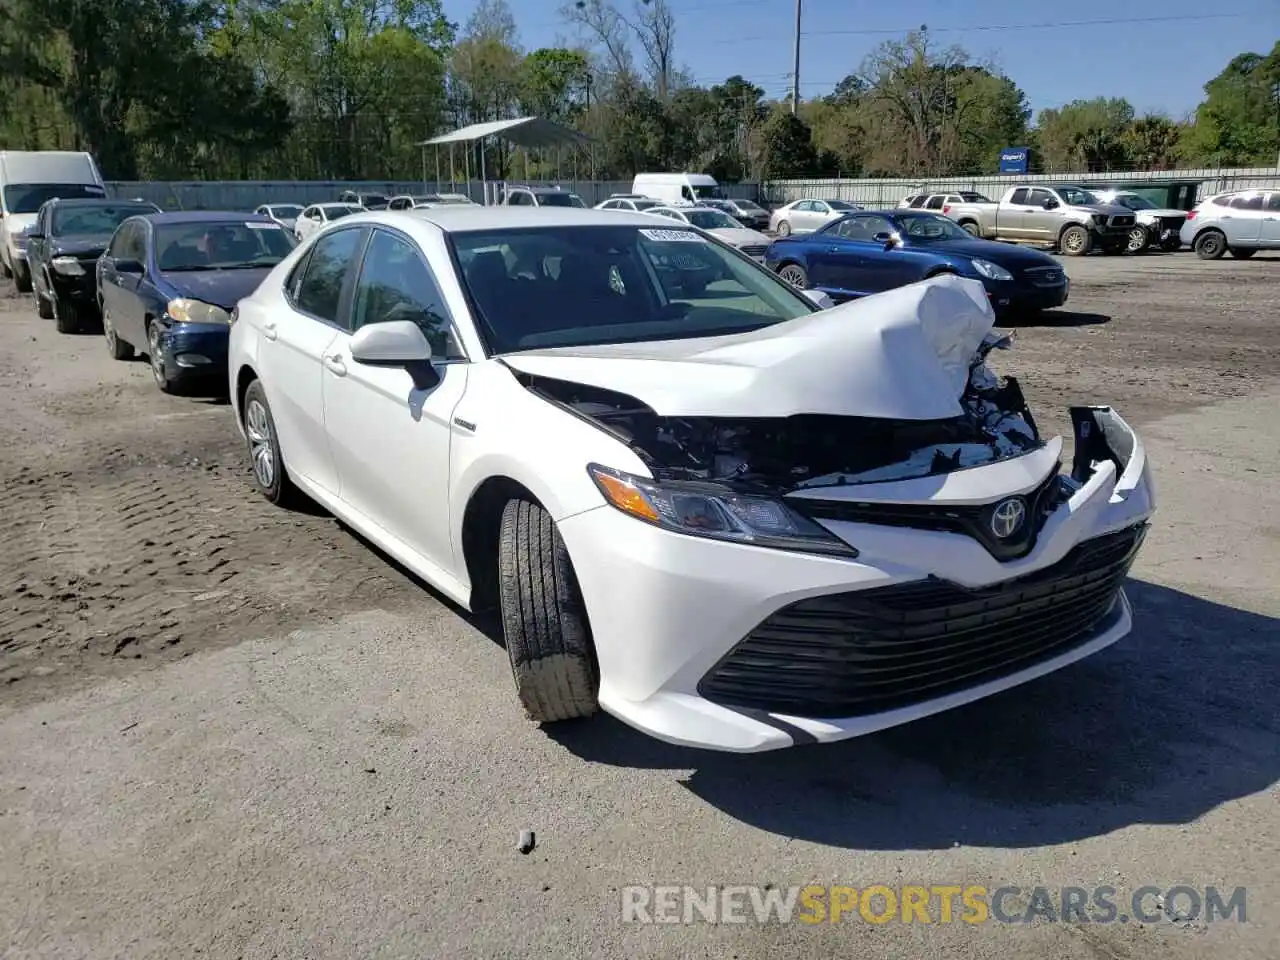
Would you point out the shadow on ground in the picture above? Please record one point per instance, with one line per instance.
(1056, 318)
(1175, 720)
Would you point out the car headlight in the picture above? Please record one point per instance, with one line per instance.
(184, 310)
(68, 265)
(1100, 219)
(992, 271)
(708, 510)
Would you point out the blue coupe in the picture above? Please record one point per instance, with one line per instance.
(168, 283)
(871, 251)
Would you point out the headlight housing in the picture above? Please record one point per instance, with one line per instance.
(68, 265)
(184, 310)
(992, 271)
(717, 513)
(1100, 219)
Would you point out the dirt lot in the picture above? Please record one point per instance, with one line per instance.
(130, 539)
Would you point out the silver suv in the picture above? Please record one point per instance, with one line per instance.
(1242, 222)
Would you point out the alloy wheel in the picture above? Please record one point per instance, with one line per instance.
(1073, 242)
(1137, 240)
(793, 275)
(155, 356)
(258, 426)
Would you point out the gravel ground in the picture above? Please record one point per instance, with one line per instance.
(338, 767)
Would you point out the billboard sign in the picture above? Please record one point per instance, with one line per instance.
(1014, 159)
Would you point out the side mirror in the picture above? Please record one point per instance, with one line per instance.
(1050, 204)
(395, 343)
(34, 235)
(890, 240)
(821, 300)
(128, 266)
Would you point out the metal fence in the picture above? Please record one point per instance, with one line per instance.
(247, 194)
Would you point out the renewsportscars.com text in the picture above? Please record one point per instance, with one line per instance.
(938, 903)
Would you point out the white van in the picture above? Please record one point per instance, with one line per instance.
(677, 189)
(27, 179)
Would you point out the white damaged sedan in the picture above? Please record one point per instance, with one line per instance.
(698, 502)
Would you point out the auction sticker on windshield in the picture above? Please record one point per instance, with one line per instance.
(668, 236)
(256, 225)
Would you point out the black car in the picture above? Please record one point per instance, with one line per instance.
(169, 282)
(62, 247)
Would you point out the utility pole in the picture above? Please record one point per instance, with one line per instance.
(795, 72)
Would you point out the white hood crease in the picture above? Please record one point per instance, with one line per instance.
(902, 355)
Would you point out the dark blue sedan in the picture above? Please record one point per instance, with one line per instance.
(872, 251)
(168, 282)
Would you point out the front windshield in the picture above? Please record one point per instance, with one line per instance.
(1076, 196)
(560, 200)
(286, 210)
(748, 205)
(336, 213)
(573, 286)
(83, 221)
(1134, 202)
(709, 219)
(841, 205)
(221, 245)
(933, 227)
(30, 197)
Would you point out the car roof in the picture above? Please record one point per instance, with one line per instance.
(204, 216)
(458, 219)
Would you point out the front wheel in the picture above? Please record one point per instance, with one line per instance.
(22, 279)
(1139, 240)
(66, 314)
(784, 228)
(795, 275)
(1210, 245)
(544, 620)
(1243, 253)
(1170, 245)
(155, 354)
(1075, 241)
(971, 228)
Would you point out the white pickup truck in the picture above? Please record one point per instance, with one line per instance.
(1064, 217)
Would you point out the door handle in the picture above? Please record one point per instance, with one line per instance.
(335, 365)
(269, 331)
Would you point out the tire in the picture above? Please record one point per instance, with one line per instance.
(44, 308)
(784, 228)
(1115, 249)
(1210, 245)
(5, 271)
(1075, 241)
(22, 280)
(270, 475)
(119, 349)
(795, 275)
(1139, 240)
(544, 620)
(155, 359)
(1243, 253)
(67, 316)
(971, 228)
(1170, 245)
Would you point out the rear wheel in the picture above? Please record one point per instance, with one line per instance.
(22, 279)
(44, 308)
(544, 620)
(1243, 253)
(119, 349)
(1210, 245)
(269, 473)
(66, 314)
(795, 275)
(784, 228)
(1075, 241)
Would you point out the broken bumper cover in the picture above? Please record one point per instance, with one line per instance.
(711, 644)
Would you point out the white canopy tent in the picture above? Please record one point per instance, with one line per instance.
(524, 132)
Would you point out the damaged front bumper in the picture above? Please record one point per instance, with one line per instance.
(734, 647)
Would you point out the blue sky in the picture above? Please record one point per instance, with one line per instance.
(1160, 65)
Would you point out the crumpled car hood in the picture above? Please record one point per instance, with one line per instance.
(899, 355)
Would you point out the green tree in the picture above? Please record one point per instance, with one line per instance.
(1085, 135)
(786, 147)
(1238, 124)
(1153, 142)
(554, 83)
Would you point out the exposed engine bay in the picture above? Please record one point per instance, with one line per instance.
(781, 454)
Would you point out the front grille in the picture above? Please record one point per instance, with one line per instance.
(973, 521)
(755, 249)
(1123, 221)
(868, 651)
(1172, 223)
(1045, 276)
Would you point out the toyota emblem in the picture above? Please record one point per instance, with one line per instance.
(1007, 517)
